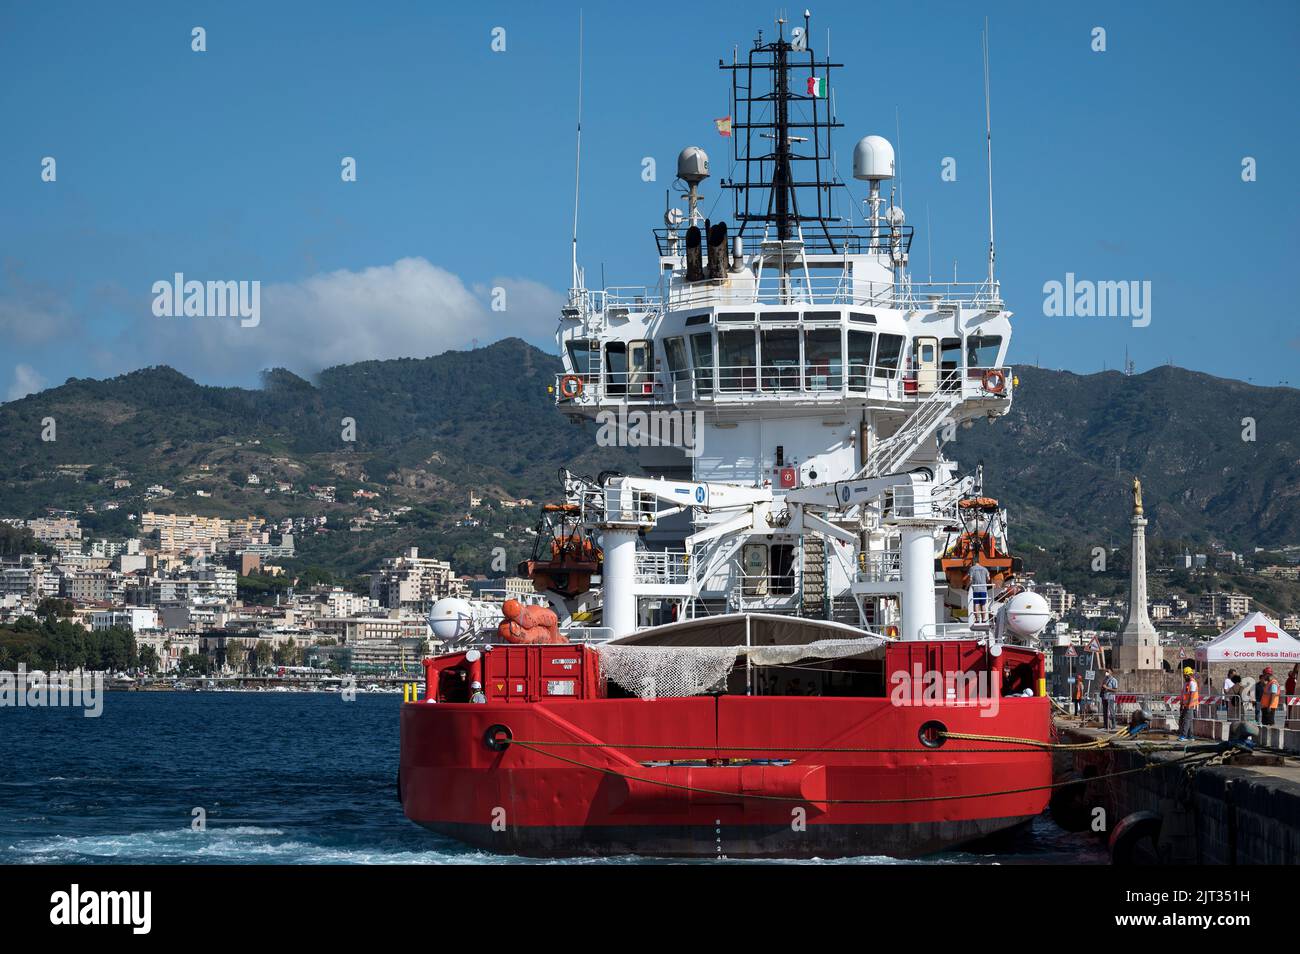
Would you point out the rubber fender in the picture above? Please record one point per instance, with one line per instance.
(1134, 840)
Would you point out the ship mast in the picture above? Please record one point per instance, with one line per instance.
(780, 111)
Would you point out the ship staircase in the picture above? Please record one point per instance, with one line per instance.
(893, 451)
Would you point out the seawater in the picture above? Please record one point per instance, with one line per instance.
(284, 778)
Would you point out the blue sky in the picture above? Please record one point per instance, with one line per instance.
(1122, 165)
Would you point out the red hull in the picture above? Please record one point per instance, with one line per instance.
(532, 799)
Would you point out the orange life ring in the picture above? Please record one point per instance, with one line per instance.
(995, 382)
(570, 386)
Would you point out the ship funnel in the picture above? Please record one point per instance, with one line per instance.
(873, 159)
(718, 251)
(694, 255)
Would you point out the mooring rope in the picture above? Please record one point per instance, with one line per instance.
(842, 801)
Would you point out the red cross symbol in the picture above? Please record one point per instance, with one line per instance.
(1260, 634)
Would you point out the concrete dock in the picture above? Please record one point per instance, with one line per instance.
(1160, 806)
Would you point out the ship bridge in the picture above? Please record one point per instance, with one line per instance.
(826, 341)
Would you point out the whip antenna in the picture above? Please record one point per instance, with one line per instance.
(577, 162)
(988, 135)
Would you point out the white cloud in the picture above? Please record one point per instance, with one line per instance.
(27, 380)
(411, 308)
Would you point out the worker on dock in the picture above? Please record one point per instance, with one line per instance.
(1269, 698)
(1236, 705)
(1078, 694)
(1109, 686)
(1187, 704)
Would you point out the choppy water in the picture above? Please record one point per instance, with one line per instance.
(285, 778)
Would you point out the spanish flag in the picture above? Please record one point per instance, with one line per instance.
(724, 126)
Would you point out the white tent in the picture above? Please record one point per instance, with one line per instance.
(1255, 639)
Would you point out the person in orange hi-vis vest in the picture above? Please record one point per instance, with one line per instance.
(1271, 698)
(1078, 694)
(1187, 704)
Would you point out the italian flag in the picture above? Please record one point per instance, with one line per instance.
(817, 87)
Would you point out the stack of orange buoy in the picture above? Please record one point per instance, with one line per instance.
(529, 624)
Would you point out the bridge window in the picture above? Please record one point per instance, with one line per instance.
(583, 359)
(887, 355)
(675, 351)
(702, 358)
(737, 361)
(982, 351)
(780, 359)
(823, 359)
(860, 345)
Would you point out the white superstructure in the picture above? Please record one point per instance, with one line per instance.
(805, 382)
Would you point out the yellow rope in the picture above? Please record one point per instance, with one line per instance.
(747, 748)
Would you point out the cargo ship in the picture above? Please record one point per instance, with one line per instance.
(799, 630)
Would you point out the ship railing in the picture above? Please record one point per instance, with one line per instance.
(796, 290)
(588, 634)
(946, 631)
(763, 585)
(663, 567)
(880, 566)
(785, 378)
(792, 289)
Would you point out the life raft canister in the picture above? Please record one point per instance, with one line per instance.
(570, 386)
(995, 382)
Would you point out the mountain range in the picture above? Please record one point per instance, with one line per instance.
(1219, 459)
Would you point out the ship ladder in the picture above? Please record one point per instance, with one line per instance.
(812, 577)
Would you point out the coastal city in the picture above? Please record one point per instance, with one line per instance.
(206, 598)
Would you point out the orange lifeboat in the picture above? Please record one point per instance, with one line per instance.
(564, 556)
(984, 542)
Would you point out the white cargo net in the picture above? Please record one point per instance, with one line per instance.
(652, 672)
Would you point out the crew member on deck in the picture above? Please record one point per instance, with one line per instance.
(979, 590)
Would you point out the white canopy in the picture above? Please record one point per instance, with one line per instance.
(1255, 639)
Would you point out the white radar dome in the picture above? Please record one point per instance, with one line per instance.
(693, 165)
(873, 158)
(451, 618)
(1027, 614)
